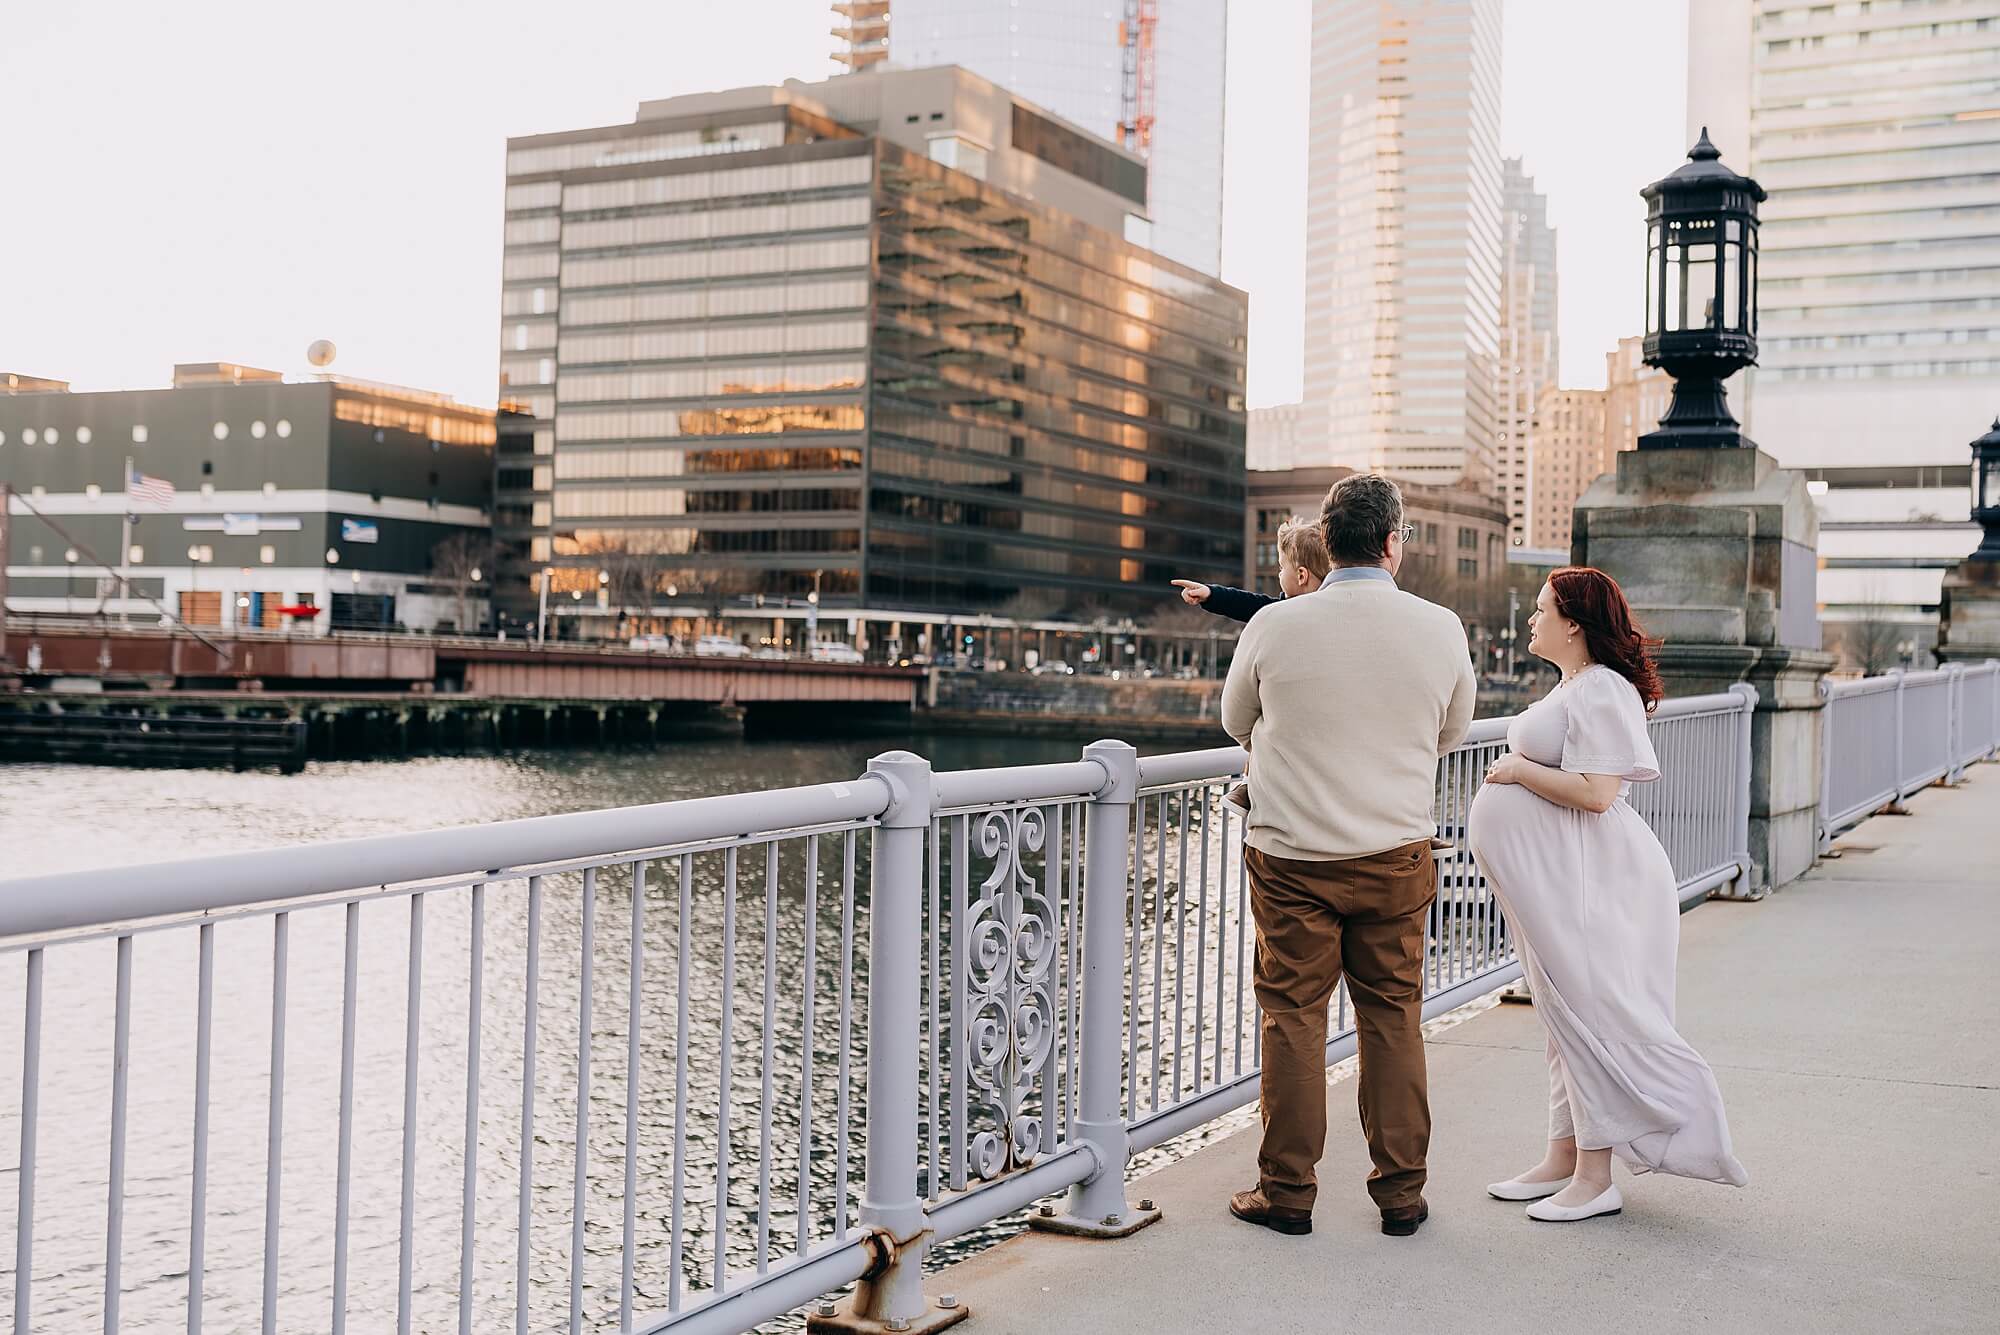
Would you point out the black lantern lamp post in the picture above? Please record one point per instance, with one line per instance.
(1701, 295)
(1986, 492)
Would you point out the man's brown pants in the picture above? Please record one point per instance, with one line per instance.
(1316, 921)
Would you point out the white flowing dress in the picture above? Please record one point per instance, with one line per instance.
(1592, 903)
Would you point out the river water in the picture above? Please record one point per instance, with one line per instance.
(64, 818)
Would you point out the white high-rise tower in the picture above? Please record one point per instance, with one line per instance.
(1876, 130)
(1404, 240)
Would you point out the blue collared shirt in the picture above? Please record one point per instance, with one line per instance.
(1343, 573)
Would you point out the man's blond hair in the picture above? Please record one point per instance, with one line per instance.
(1302, 542)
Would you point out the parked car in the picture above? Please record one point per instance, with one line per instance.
(770, 651)
(1052, 667)
(653, 644)
(833, 651)
(719, 646)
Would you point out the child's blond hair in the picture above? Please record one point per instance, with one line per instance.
(1303, 543)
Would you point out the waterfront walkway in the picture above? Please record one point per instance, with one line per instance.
(1853, 1020)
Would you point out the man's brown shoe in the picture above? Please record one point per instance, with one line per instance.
(1252, 1208)
(1405, 1220)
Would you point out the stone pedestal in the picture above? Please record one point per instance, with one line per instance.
(1969, 621)
(1717, 551)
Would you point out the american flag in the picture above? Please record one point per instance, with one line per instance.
(149, 490)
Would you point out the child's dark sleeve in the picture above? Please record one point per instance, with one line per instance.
(1236, 604)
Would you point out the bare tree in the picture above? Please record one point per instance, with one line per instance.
(1029, 605)
(1869, 644)
(458, 563)
(1180, 625)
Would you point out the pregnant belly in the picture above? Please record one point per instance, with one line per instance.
(1505, 819)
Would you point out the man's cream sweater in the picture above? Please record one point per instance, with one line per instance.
(1346, 697)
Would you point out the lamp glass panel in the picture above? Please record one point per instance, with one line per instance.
(1700, 288)
(1752, 298)
(1989, 475)
(1675, 279)
(1653, 287)
(1732, 283)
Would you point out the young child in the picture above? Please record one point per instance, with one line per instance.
(1303, 563)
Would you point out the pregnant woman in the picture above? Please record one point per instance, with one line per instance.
(1592, 902)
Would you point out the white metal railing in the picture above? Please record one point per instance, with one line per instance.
(1884, 738)
(687, 1066)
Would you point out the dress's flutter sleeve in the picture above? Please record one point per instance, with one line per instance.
(1606, 729)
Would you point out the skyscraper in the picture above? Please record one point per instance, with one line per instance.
(1066, 56)
(1876, 130)
(1403, 239)
(1528, 362)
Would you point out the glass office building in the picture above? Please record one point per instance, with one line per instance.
(765, 349)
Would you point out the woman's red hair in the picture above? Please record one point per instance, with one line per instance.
(1593, 600)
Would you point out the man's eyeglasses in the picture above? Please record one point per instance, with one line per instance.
(1405, 531)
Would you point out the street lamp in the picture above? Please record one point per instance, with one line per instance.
(1701, 295)
(1986, 492)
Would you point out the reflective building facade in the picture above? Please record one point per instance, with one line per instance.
(771, 343)
(1403, 240)
(1065, 55)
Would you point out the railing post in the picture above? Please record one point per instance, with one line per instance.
(891, 1296)
(1897, 778)
(1954, 724)
(1747, 883)
(1825, 820)
(1097, 1205)
(1993, 742)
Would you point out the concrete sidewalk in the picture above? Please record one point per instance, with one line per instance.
(1853, 1020)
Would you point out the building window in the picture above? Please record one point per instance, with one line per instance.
(83, 435)
(284, 428)
(257, 430)
(1468, 569)
(222, 431)
(267, 554)
(541, 301)
(1468, 540)
(139, 434)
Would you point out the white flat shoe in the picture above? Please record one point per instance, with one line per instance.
(1514, 1189)
(1608, 1203)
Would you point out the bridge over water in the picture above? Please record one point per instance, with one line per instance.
(808, 1044)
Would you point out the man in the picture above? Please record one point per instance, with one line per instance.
(1346, 698)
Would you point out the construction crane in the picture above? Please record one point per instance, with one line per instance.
(1135, 43)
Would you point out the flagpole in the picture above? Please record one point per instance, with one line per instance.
(125, 553)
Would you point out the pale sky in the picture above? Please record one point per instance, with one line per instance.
(228, 180)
